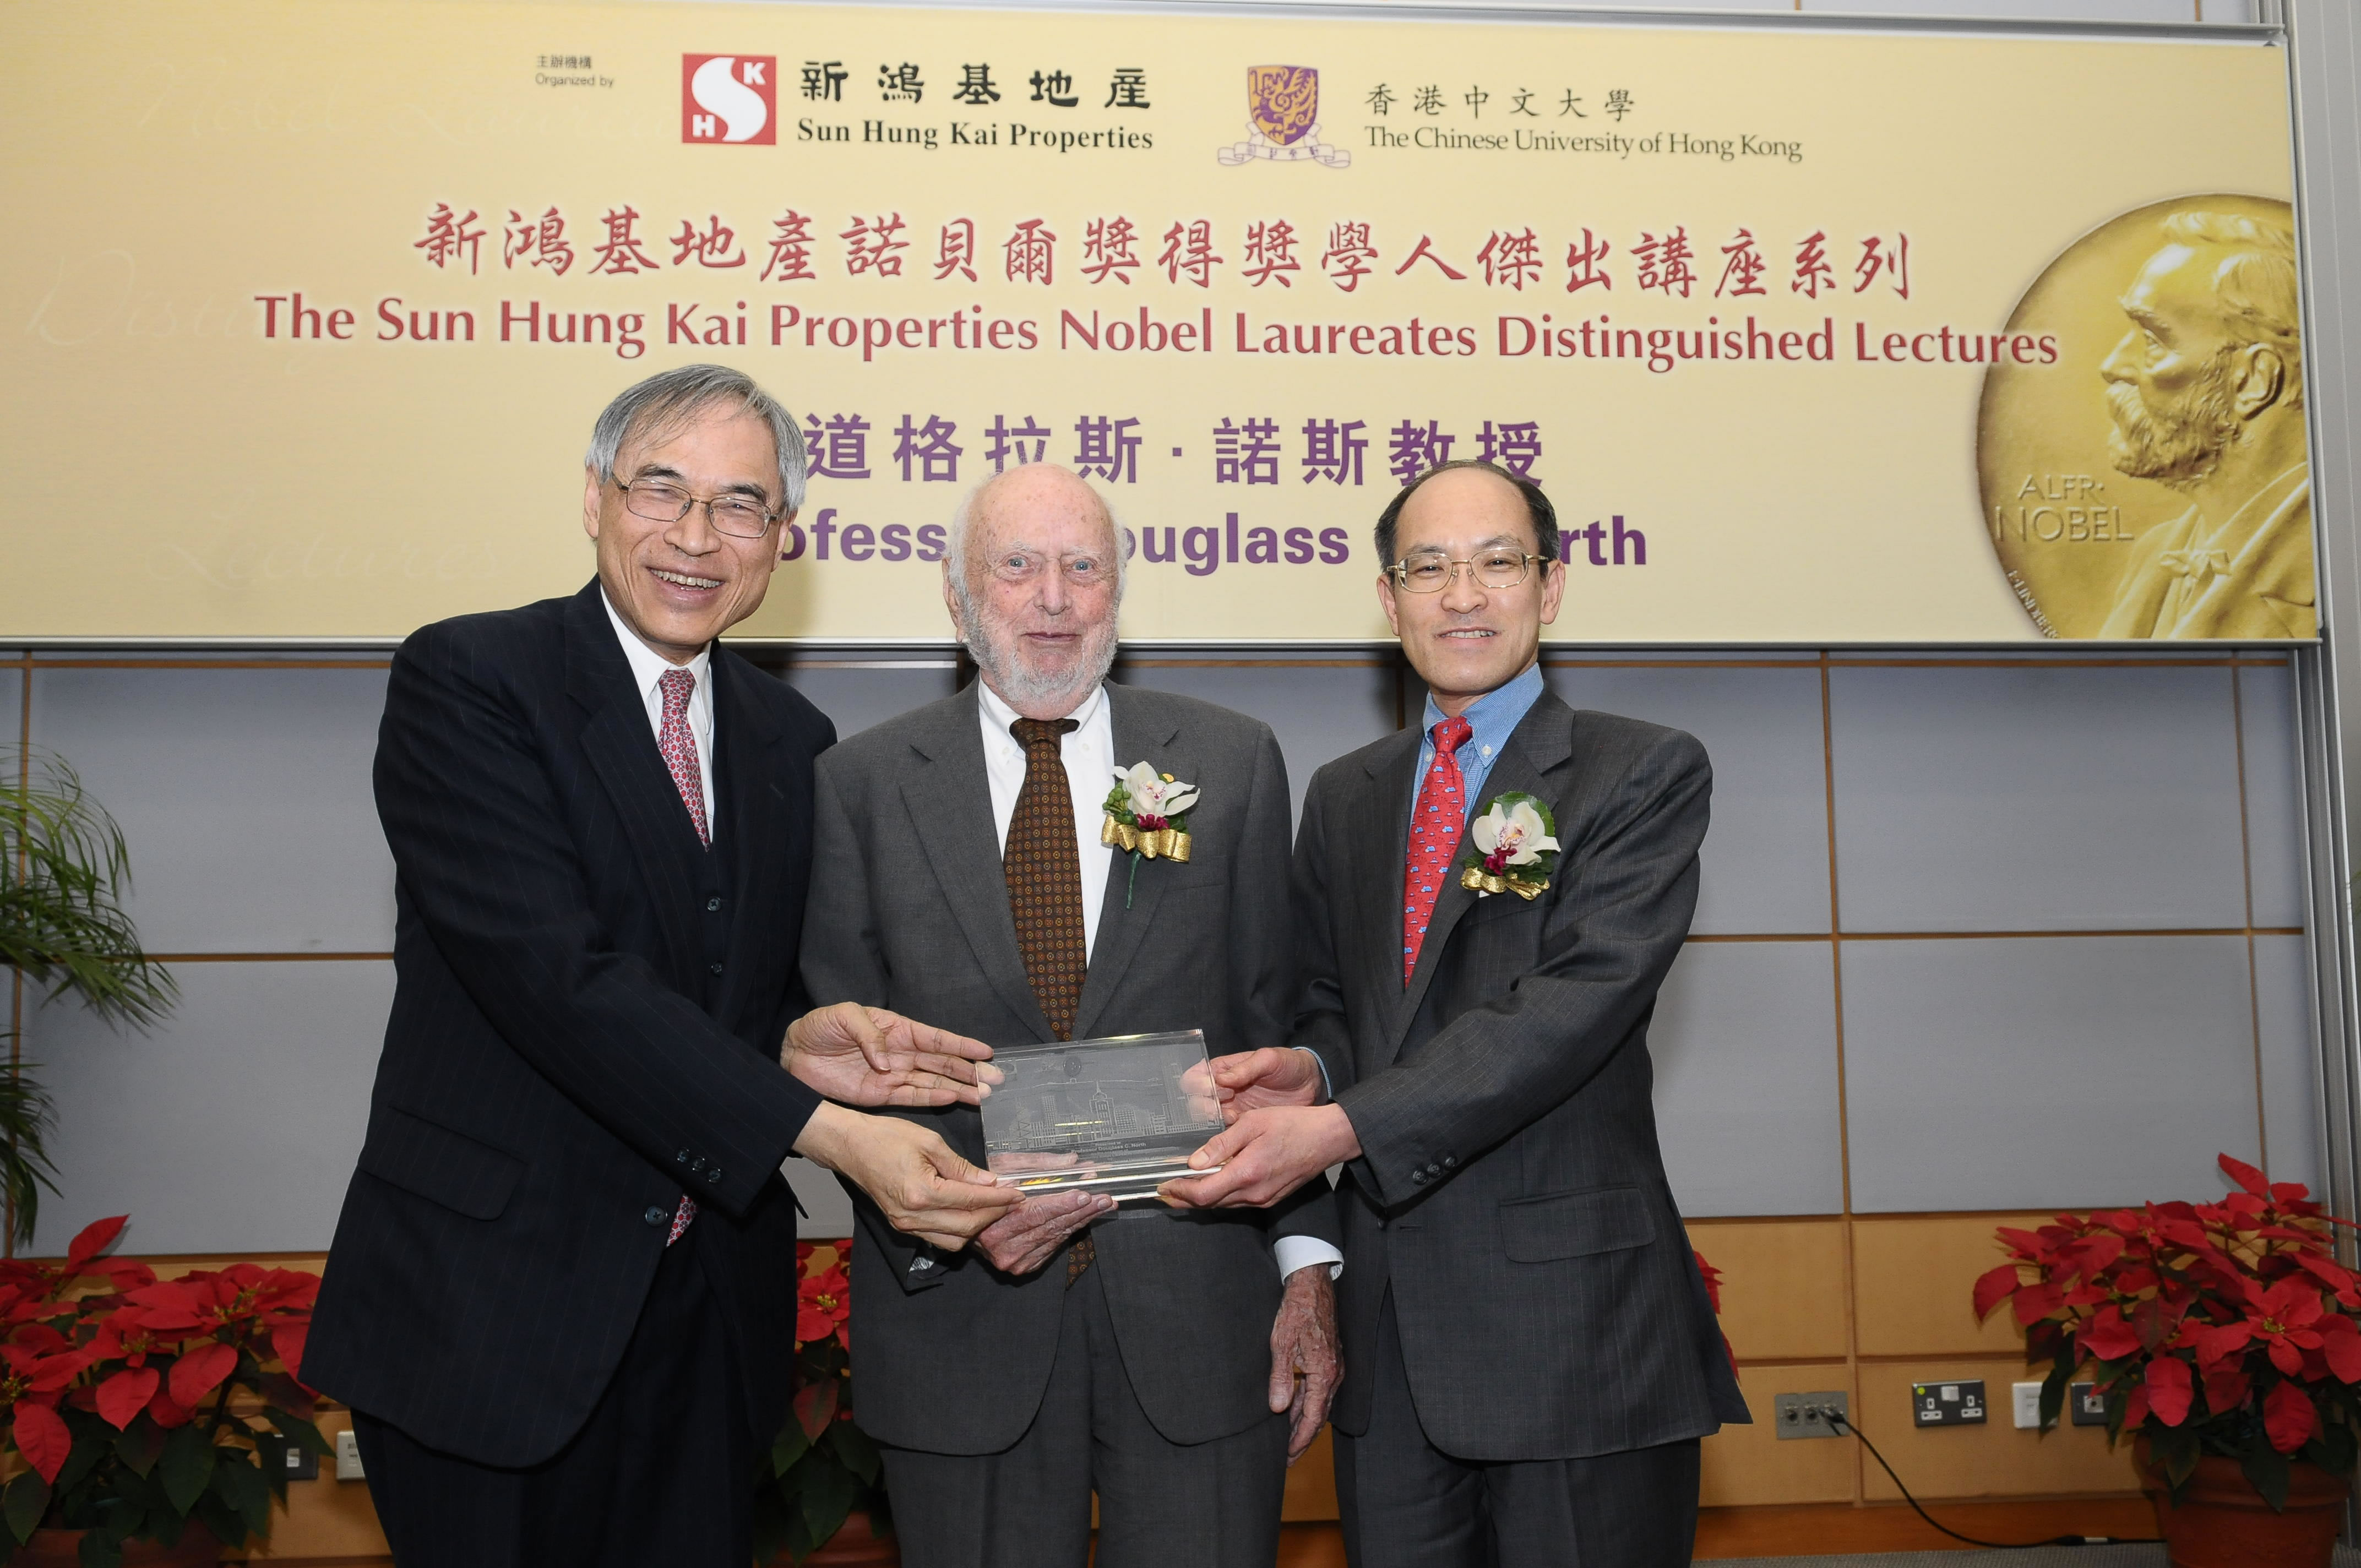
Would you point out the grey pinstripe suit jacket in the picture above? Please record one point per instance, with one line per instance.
(1510, 1191)
(909, 910)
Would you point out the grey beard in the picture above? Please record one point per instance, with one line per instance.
(2182, 445)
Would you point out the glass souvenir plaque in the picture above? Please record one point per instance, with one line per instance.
(1115, 1115)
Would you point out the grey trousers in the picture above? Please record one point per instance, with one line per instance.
(1162, 1504)
(1407, 1504)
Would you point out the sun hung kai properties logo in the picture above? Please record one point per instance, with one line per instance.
(730, 98)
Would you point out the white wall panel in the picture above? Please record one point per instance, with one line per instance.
(2033, 797)
(2289, 1041)
(2267, 714)
(245, 796)
(235, 1126)
(1745, 1050)
(2043, 1072)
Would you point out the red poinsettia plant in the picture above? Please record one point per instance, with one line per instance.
(2225, 1329)
(130, 1405)
(822, 1467)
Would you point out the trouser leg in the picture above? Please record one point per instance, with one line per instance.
(1169, 1505)
(1028, 1506)
(1403, 1502)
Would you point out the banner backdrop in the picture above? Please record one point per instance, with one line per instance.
(1811, 337)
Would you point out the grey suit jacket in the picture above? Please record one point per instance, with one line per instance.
(1510, 1191)
(909, 910)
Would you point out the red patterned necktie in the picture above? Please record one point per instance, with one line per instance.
(1433, 835)
(678, 744)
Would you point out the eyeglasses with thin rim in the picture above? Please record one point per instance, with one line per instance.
(1026, 566)
(1430, 572)
(660, 501)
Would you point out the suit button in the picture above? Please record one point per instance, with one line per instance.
(715, 968)
(1450, 1162)
(1419, 1177)
(1434, 1170)
(655, 1214)
(681, 1158)
(712, 904)
(714, 1175)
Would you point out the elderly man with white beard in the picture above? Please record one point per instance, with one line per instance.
(1174, 1363)
(2206, 389)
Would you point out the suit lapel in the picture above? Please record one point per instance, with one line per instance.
(621, 750)
(1383, 820)
(1542, 742)
(1139, 735)
(753, 811)
(950, 800)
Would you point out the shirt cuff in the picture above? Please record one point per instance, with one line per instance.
(1302, 1251)
(1328, 1089)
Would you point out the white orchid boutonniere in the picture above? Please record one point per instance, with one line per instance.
(1148, 816)
(1516, 848)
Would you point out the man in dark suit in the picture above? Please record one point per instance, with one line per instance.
(960, 874)
(561, 1294)
(1533, 1359)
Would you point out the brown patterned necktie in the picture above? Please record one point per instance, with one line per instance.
(1043, 865)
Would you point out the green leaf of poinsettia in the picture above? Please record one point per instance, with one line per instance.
(828, 1497)
(24, 1503)
(2266, 1468)
(186, 1467)
(860, 1454)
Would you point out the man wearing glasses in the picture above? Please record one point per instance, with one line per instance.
(961, 874)
(561, 1296)
(1484, 910)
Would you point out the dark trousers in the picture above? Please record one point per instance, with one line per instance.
(662, 1471)
(1407, 1504)
(1162, 1504)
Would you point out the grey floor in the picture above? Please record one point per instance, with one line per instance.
(2039, 1557)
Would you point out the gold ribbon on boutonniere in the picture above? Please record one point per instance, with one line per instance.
(1148, 818)
(1152, 843)
(1479, 880)
(1516, 848)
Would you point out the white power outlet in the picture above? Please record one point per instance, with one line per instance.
(2028, 1398)
(348, 1457)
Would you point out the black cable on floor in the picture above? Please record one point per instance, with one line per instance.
(1842, 1424)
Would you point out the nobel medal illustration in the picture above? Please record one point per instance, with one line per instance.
(2140, 445)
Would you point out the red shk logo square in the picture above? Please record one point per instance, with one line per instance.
(730, 98)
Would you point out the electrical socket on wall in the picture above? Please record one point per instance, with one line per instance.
(348, 1457)
(1958, 1403)
(2026, 1404)
(2085, 1405)
(1807, 1415)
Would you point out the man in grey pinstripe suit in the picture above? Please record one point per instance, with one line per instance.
(1530, 1357)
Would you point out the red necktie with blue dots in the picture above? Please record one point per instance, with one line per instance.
(1433, 835)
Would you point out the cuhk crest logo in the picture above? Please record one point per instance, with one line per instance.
(730, 98)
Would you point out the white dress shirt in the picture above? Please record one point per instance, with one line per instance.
(648, 668)
(1088, 753)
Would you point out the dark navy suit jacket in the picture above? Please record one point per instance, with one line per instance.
(563, 1062)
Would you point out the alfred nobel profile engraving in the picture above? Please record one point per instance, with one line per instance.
(2206, 391)
(2148, 480)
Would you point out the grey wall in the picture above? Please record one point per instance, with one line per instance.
(1976, 933)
